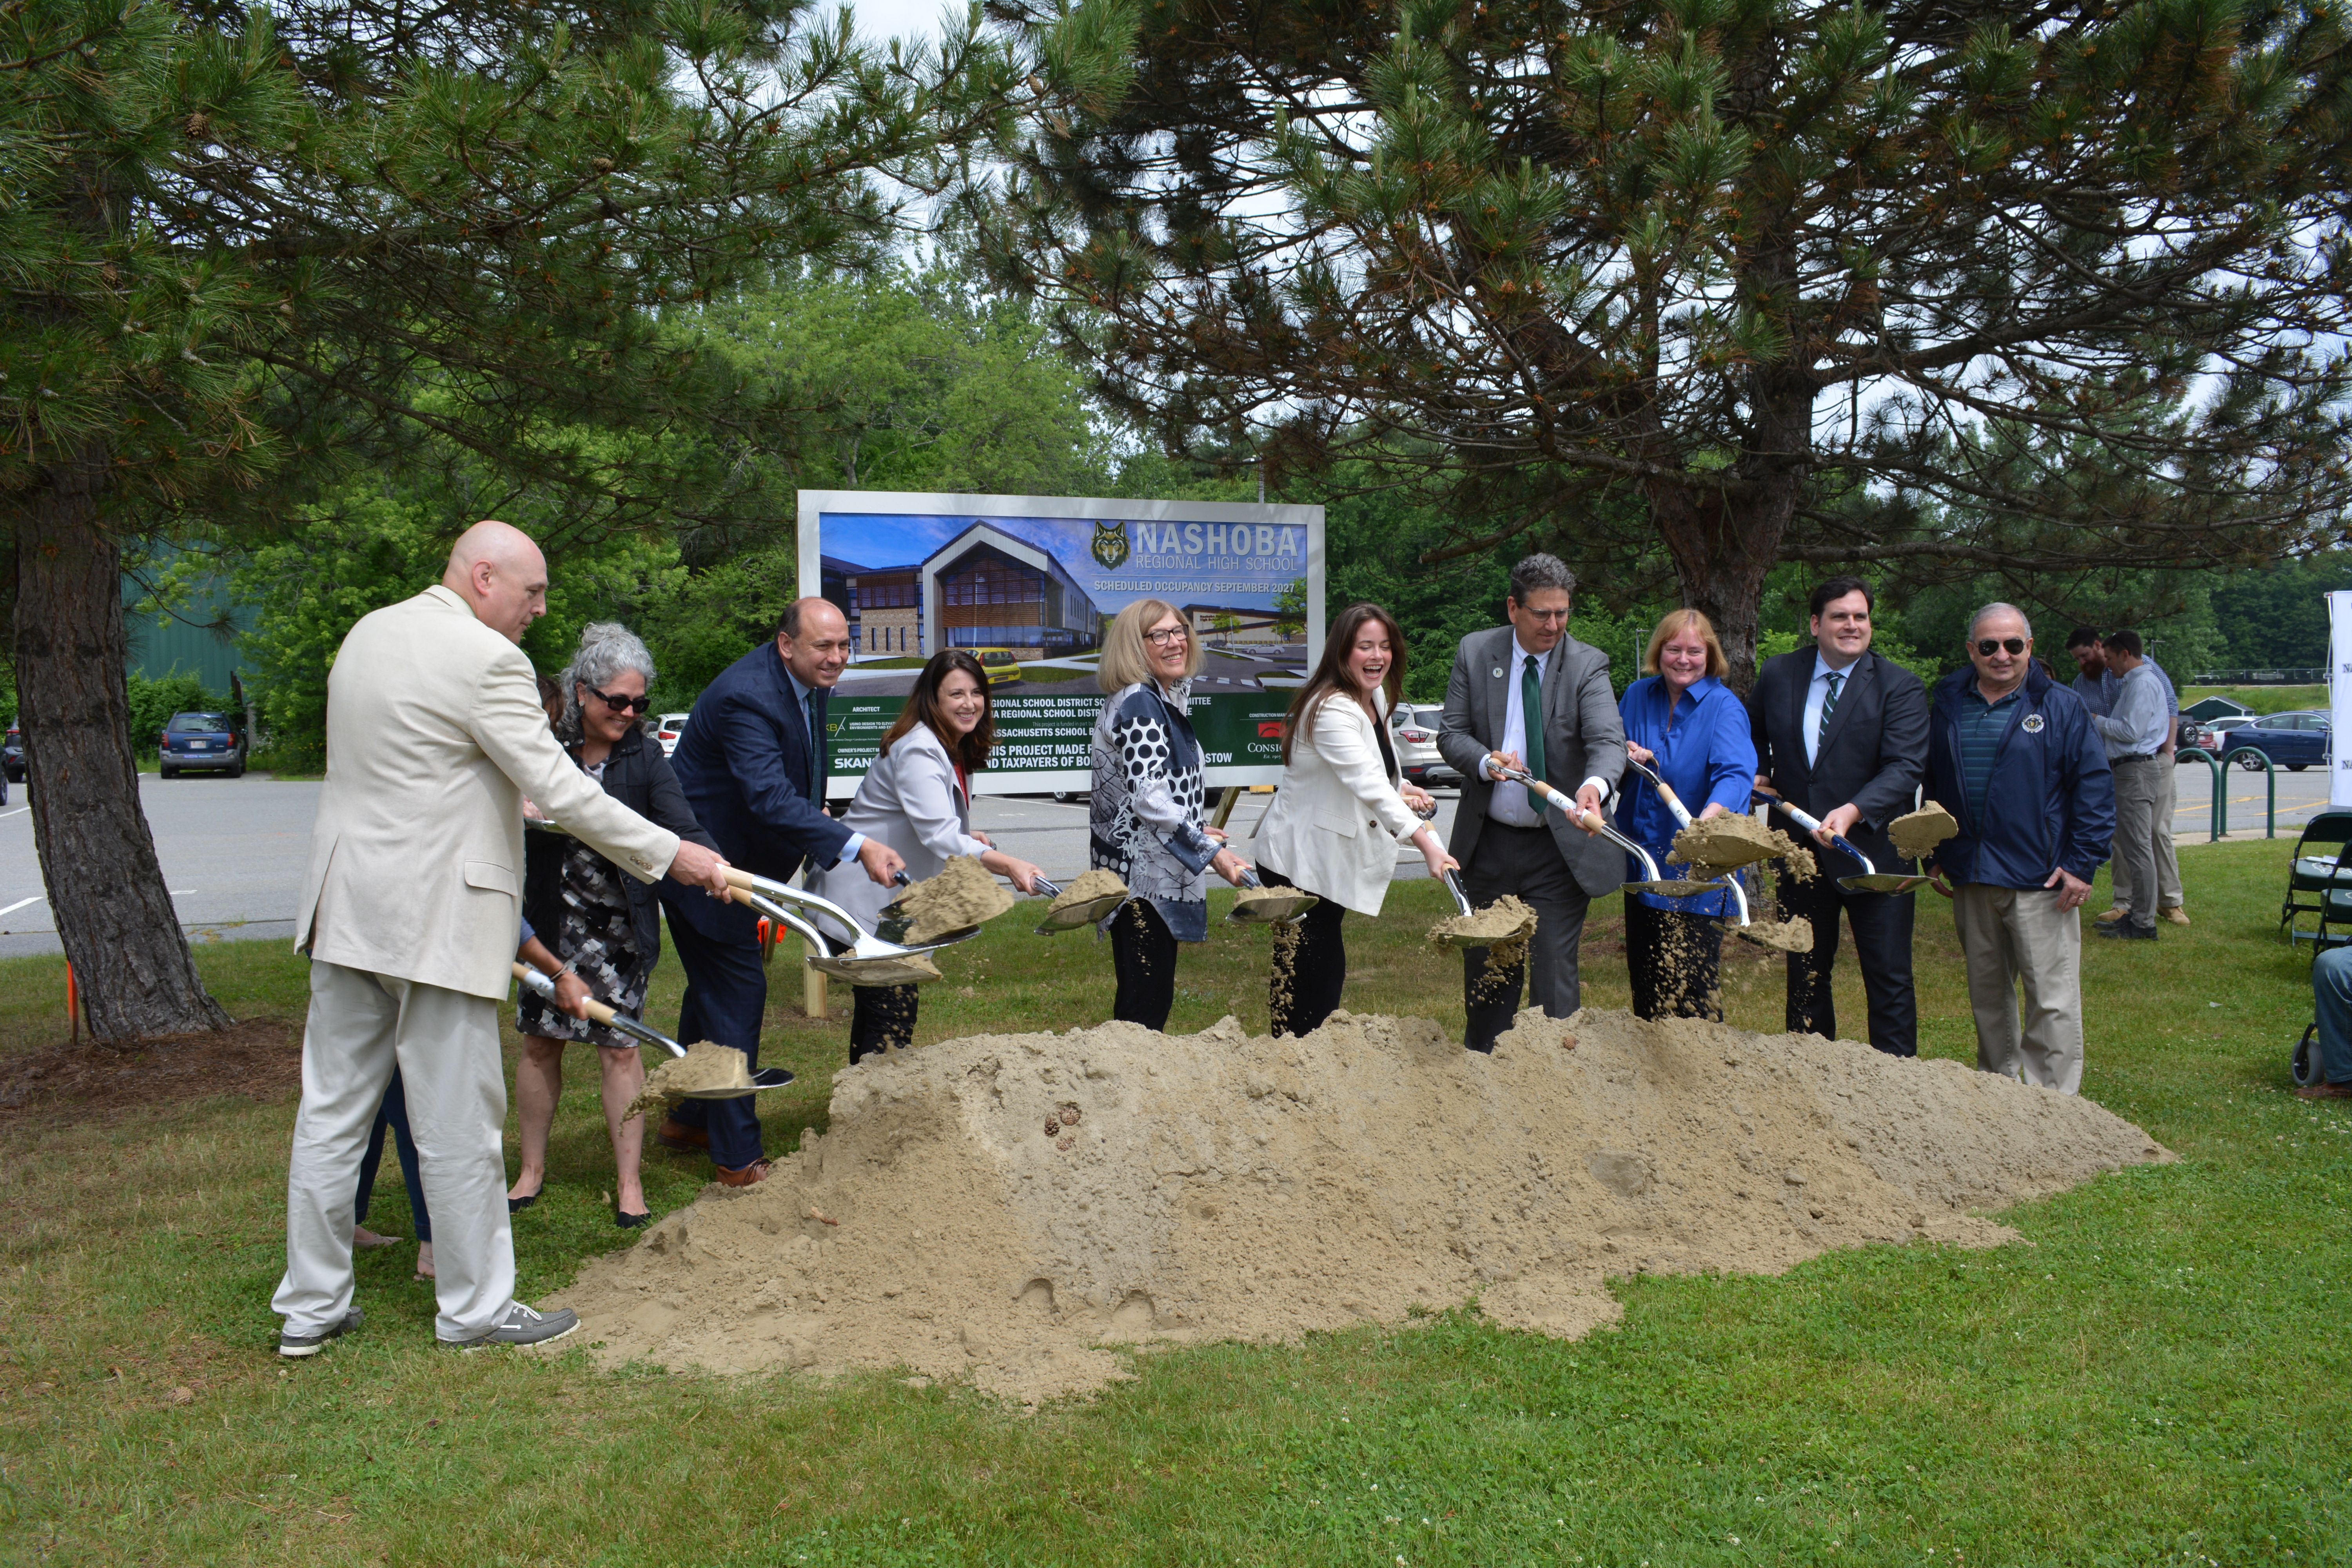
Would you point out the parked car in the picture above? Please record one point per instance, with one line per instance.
(667, 729)
(1002, 664)
(12, 755)
(206, 742)
(2209, 735)
(2290, 741)
(1412, 730)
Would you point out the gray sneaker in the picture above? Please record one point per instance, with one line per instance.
(308, 1344)
(522, 1326)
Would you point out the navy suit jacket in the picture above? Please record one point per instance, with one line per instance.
(744, 764)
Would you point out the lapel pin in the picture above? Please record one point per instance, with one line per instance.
(1496, 672)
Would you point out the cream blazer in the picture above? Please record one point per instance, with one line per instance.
(1336, 819)
(433, 735)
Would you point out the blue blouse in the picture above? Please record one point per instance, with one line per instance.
(1706, 755)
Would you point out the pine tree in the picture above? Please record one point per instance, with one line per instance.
(253, 247)
(1813, 281)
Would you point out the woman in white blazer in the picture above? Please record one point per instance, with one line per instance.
(916, 798)
(1335, 822)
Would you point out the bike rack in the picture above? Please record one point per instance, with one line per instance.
(2220, 825)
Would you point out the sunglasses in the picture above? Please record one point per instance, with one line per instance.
(1987, 647)
(622, 704)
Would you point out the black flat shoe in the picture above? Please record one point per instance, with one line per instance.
(629, 1221)
(515, 1205)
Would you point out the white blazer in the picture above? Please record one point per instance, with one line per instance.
(1336, 819)
(433, 735)
(909, 801)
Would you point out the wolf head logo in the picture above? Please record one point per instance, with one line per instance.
(1110, 545)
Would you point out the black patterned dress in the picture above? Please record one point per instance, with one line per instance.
(598, 940)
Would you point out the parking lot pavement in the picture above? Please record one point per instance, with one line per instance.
(233, 852)
(2300, 797)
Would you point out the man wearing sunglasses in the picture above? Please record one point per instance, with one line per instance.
(2012, 754)
(752, 764)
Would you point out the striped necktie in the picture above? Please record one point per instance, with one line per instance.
(1829, 706)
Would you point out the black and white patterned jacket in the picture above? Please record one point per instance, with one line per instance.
(1145, 821)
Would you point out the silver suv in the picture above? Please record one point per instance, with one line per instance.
(1412, 730)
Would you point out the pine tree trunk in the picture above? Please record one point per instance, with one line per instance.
(97, 857)
(1722, 554)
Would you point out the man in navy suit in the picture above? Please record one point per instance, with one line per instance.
(752, 764)
(1842, 734)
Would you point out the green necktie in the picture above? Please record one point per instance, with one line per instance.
(1829, 706)
(1531, 715)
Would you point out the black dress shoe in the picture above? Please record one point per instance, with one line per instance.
(515, 1205)
(628, 1221)
(2124, 931)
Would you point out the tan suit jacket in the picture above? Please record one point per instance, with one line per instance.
(433, 735)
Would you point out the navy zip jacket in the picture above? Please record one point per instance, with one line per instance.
(2051, 803)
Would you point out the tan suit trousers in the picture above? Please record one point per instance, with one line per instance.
(2168, 859)
(2015, 938)
(446, 1043)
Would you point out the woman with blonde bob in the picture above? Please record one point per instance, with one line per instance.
(1144, 818)
(1343, 804)
(1687, 726)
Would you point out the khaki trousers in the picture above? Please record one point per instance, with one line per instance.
(447, 1044)
(2168, 860)
(2012, 937)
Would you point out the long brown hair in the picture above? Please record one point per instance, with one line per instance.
(1331, 670)
(923, 708)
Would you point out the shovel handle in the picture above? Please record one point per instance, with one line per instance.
(1665, 792)
(543, 985)
(1813, 825)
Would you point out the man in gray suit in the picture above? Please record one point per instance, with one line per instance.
(1508, 842)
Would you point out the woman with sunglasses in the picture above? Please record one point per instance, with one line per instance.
(916, 798)
(1144, 814)
(603, 925)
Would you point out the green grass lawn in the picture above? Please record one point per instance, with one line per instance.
(2261, 699)
(2156, 1373)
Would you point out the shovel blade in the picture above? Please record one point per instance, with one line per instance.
(1093, 911)
(1882, 882)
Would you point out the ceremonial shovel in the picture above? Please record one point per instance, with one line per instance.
(1281, 908)
(1873, 879)
(766, 1077)
(1092, 912)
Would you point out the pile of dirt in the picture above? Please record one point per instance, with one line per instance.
(1917, 835)
(1724, 843)
(705, 1066)
(1784, 936)
(961, 896)
(1262, 905)
(259, 1059)
(1004, 1207)
(1506, 919)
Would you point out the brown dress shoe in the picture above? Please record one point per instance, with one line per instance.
(676, 1134)
(2174, 914)
(2326, 1091)
(756, 1171)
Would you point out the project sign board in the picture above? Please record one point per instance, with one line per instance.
(1030, 584)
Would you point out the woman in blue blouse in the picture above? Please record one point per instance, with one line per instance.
(1686, 725)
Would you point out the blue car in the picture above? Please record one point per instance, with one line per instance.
(2291, 740)
(210, 742)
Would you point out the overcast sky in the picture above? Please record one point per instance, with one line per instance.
(909, 19)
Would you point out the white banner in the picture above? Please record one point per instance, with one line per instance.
(2339, 696)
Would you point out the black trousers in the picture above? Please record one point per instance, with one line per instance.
(1143, 955)
(1882, 946)
(1674, 961)
(881, 1017)
(1524, 862)
(1310, 964)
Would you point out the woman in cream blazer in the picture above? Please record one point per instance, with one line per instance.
(916, 798)
(1336, 820)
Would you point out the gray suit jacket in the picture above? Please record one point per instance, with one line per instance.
(1583, 738)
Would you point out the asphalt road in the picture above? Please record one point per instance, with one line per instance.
(233, 850)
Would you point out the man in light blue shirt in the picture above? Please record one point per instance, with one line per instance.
(2135, 731)
(2098, 684)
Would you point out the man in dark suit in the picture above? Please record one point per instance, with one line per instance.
(1843, 734)
(1530, 696)
(753, 765)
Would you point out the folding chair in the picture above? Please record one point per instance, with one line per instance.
(2318, 884)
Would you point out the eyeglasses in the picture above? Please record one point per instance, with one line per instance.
(1544, 615)
(621, 704)
(1987, 647)
(1167, 636)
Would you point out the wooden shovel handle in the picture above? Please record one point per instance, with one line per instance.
(597, 1011)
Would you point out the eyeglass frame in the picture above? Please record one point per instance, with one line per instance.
(1167, 636)
(637, 704)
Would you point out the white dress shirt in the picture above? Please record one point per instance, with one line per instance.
(1508, 802)
(2140, 722)
(1817, 697)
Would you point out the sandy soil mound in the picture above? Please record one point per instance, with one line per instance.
(1916, 835)
(1002, 1207)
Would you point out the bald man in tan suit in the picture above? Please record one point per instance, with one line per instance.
(411, 909)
